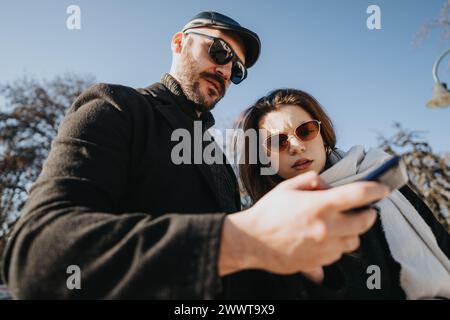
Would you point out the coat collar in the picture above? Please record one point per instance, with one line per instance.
(187, 106)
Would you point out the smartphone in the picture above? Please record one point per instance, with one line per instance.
(391, 173)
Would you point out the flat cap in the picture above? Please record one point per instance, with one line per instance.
(215, 20)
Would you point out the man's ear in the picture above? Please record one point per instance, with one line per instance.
(177, 42)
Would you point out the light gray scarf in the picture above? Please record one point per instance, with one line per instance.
(425, 269)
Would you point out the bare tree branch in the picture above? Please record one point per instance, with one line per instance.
(429, 172)
(441, 22)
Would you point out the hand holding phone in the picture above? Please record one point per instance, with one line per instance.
(392, 173)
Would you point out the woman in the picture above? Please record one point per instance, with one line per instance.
(406, 253)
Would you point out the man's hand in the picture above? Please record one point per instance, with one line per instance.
(298, 227)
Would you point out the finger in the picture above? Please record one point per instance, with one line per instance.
(307, 181)
(345, 225)
(337, 247)
(316, 275)
(334, 254)
(350, 244)
(353, 195)
(361, 209)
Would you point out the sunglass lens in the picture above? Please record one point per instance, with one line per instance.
(277, 142)
(220, 52)
(238, 72)
(308, 130)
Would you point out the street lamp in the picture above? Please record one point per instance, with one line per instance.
(441, 95)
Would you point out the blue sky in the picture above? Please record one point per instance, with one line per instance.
(366, 79)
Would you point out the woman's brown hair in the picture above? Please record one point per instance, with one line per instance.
(255, 184)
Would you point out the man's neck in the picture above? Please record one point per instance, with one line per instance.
(178, 90)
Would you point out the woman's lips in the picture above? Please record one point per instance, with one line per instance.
(302, 165)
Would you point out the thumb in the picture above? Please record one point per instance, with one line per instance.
(316, 275)
(306, 181)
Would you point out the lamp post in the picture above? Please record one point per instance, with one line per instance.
(441, 95)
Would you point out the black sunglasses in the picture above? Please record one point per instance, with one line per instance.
(305, 132)
(222, 53)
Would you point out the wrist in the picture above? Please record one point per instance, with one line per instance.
(237, 249)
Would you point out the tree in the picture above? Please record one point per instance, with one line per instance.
(429, 172)
(29, 119)
(441, 22)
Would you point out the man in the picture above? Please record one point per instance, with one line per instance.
(111, 202)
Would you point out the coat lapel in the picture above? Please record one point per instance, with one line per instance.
(176, 120)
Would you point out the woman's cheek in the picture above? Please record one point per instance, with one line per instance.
(274, 162)
(278, 165)
(286, 171)
(321, 160)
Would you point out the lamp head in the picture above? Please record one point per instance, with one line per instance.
(441, 96)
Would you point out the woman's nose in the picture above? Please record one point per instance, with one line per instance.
(296, 145)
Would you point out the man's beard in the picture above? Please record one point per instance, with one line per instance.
(190, 83)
